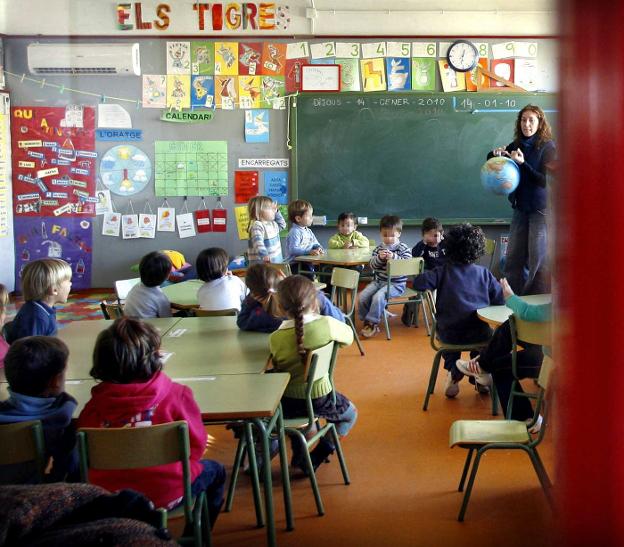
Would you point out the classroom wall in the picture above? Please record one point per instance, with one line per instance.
(112, 257)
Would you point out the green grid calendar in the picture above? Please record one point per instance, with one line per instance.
(191, 168)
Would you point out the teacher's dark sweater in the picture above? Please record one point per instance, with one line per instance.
(531, 195)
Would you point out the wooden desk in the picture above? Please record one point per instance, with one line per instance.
(204, 346)
(80, 338)
(183, 296)
(340, 257)
(496, 315)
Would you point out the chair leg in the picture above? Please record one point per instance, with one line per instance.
(310, 470)
(355, 334)
(494, 396)
(343, 463)
(432, 378)
(462, 481)
(542, 475)
(473, 475)
(425, 317)
(238, 461)
(206, 529)
(255, 481)
(386, 325)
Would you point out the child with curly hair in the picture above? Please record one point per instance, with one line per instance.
(462, 287)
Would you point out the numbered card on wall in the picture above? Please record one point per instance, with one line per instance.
(374, 49)
(178, 57)
(129, 226)
(297, 50)
(398, 49)
(186, 225)
(111, 224)
(348, 50)
(166, 219)
(424, 49)
(147, 225)
(322, 50)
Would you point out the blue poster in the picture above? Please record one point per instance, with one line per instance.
(398, 74)
(202, 92)
(276, 186)
(257, 125)
(63, 237)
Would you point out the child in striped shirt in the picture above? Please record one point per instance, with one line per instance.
(265, 223)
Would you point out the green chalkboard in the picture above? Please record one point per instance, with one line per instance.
(410, 154)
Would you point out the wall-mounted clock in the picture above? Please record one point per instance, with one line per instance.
(462, 55)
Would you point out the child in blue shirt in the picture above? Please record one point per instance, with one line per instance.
(35, 370)
(301, 240)
(45, 282)
(462, 288)
(260, 310)
(372, 300)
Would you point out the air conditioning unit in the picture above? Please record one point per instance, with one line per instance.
(78, 59)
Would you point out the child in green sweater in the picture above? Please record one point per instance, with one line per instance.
(306, 330)
(347, 237)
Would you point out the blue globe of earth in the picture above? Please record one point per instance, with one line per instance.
(500, 175)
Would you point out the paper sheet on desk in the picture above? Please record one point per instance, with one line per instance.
(176, 333)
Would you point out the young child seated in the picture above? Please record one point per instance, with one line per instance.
(260, 310)
(372, 300)
(347, 237)
(305, 329)
(4, 302)
(45, 282)
(265, 223)
(35, 370)
(462, 288)
(135, 392)
(146, 299)
(221, 290)
(301, 240)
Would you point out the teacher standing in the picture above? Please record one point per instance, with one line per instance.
(532, 150)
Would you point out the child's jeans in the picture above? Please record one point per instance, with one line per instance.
(211, 480)
(372, 300)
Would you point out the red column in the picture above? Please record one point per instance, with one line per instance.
(590, 275)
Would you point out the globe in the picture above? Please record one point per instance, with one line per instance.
(500, 175)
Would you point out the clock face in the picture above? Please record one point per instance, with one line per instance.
(462, 55)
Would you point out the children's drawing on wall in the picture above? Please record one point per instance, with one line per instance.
(249, 91)
(226, 58)
(273, 59)
(273, 89)
(69, 238)
(398, 72)
(349, 74)
(525, 73)
(111, 224)
(202, 58)
(147, 225)
(178, 58)
(226, 93)
(293, 74)
(423, 74)
(451, 80)
(202, 91)
(178, 91)
(166, 219)
(125, 170)
(130, 226)
(154, 91)
(104, 203)
(257, 125)
(503, 68)
(373, 74)
(249, 57)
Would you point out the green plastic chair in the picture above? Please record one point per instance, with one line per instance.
(23, 442)
(111, 310)
(490, 250)
(440, 347)
(283, 267)
(409, 267)
(484, 435)
(344, 284)
(139, 447)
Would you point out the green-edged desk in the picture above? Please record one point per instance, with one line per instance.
(183, 295)
(251, 398)
(340, 257)
(80, 337)
(497, 315)
(204, 346)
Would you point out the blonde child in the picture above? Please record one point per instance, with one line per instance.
(221, 290)
(133, 391)
(304, 330)
(347, 237)
(4, 302)
(260, 310)
(265, 223)
(301, 240)
(45, 282)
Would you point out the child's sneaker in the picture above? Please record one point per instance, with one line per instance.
(482, 378)
(369, 330)
(451, 387)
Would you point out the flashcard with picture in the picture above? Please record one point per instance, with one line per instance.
(249, 58)
(257, 125)
(249, 91)
(154, 91)
(202, 58)
(273, 59)
(273, 89)
(226, 92)
(178, 91)
(178, 57)
(373, 74)
(398, 73)
(423, 73)
(226, 58)
(349, 74)
(202, 92)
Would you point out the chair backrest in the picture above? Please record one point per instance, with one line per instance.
(135, 448)
(344, 278)
(545, 372)
(215, 313)
(529, 331)
(283, 267)
(321, 358)
(23, 442)
(123, 286)
(409, 266)
(110, 310)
